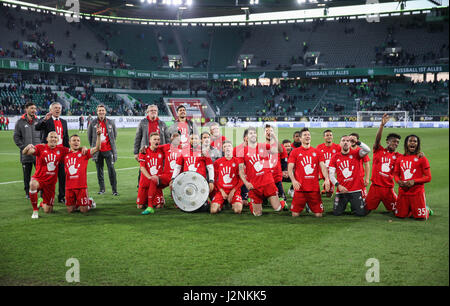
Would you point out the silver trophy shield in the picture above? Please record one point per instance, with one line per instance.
(190, 191)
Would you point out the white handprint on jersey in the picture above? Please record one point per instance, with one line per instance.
(226, 175)
(183, 135)
(71, 165)
(191, 164)
(346, 172)
(256, 162)
(153, 166)
(306, 163)
(272, 160)
(385, 164)
(327, 157)
(406, 168)
(173, 160)
(50, 160)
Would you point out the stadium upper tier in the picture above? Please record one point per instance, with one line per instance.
(343, 43)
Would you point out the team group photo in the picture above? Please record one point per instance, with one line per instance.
(239, 144)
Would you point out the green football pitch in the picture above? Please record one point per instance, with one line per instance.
(116, 245)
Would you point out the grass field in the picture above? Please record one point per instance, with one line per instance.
(116, 245)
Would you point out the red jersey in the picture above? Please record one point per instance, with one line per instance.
(47, 161)
(152, 161)
(75, 166)
(227, 173)
(411, 167)
(105, 144)
(171, 154)
(365, 159)
(255, 161)
(328, 152)
(238, 151)
(183, 128)
(348, 168)
(383, 167)
(196, 162)
(274, 164)
(218, 143)
(306, 167)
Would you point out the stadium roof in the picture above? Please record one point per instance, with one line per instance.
(199, 8)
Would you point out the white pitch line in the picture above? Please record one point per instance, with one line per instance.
(92, 172)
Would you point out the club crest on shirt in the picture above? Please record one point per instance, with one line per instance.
(57, 152)
(416, 159)
(334, 151)
(221, 165)
(351, 156)
(159, 156)
(314, 154)
(394, 157)
(234, 165)
(79, 154)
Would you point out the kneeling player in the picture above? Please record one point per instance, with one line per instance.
(306, 160)
(75, 166)
(151, 162)
(48, 157)
(228, 184)
(347, 165)
(257, 176)
(411, 173)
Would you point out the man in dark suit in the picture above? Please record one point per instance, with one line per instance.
(52, 122)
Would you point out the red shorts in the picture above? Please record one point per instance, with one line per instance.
(260, 193)
(143, 195)
(379, 194)
(411, 205)
(312, 198)
(48, 192)
(77, 197)
(219, 199)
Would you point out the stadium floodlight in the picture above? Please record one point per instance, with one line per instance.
(188, 2)
(301, 1)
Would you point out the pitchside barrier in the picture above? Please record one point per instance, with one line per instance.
(133, 122)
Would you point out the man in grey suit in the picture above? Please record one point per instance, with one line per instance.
(151, 123)
(25, 133)
(108, 150)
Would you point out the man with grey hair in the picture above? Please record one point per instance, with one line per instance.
(108, 151)
(150, 124)
(52, 122)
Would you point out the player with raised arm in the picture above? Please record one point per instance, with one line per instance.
(48, 157)
(75, 166)
(304, 165)
(151, 161)
(228, 183)
(411, 172)
(346, 166)
(277, 163)
(255, 174)
(365, 164)
(382, 187)
(328, 149)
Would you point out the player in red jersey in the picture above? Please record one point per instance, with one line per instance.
(172, 151)
(346, 165)
(228, 183)
(151, 161)
(365, 164)
(411, 172)
(382, 187)
(277, 163)
(257, 176)
(75, 167)
(328, 149)
(238, 152)
(48, 157)
(304, 165)
(197, 161)
(217, 138)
